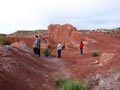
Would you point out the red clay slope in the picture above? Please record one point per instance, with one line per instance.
(20, 69)
(107, 64)
(104, 68)
(107, 46)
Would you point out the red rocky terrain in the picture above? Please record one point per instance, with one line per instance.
(102, 72)
(108, 48)
(19, 67)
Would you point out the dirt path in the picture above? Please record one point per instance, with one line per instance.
(62, 71)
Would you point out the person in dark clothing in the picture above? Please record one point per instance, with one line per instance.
(37, 46)
(81, 47)
(59, 48)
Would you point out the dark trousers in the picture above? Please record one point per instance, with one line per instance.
(59, 53)
(81, 51)
(39, 51)
(36, 51)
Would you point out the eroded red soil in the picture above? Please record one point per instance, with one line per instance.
(20, 69)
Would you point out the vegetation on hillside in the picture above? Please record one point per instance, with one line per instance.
(69, 84)
(24, 33)
(94, 54)
(3, 40)
(46, 52)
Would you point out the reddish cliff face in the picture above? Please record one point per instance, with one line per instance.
(66, 34)
(62, 33)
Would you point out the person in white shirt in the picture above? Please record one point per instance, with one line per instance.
(59, 48)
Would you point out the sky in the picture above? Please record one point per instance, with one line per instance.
(38, 14)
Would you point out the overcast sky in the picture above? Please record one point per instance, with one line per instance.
(38, 14)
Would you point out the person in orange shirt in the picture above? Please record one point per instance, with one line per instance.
(81, 47)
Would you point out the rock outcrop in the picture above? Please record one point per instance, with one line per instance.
(66, 34)
(61, 33)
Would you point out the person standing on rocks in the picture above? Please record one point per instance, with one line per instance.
(59, 49)
(39, 41)
(37, 46)
(81, 48)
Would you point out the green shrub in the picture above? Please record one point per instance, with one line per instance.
(94, 54)
(46, 52)
(60, 82)
(69, 84)
(4, 41)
